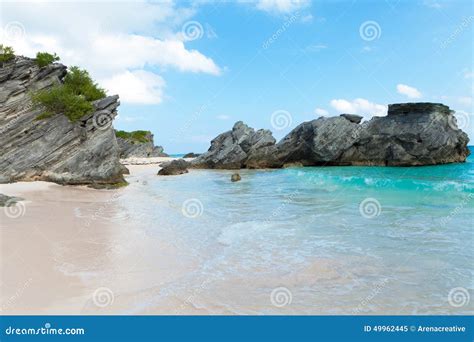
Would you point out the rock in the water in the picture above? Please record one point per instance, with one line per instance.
(352, 118)
(53, 149)
(239, 148)
(235, 177)
(318, 142)
(191, 155)
(174, 167)
(411, 134)
(8, 200)
(138, 144)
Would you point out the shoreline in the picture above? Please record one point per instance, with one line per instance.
(61, 253)
(78, 250)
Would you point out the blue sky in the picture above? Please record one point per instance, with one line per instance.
(254, 61)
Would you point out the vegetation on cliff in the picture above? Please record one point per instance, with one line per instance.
(72, 98)
(135, 136)
(6, 53)
(43, 59)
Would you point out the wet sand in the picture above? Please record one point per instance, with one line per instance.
(62, 254)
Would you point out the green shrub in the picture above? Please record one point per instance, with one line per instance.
(135, 136)
(80, 83)
(6, 53)
(59, 99)
(43, 59)
(72, 98)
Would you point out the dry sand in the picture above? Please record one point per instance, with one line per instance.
(62, 254)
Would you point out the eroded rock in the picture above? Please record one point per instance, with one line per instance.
(53, 149)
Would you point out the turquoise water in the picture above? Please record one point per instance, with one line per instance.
(339, 240)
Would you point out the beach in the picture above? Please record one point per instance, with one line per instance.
(65, 245)
(287, 241)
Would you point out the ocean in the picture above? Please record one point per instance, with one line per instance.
(315, 240)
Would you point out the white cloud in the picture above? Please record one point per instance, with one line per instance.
(321, 112)
(128, 118)
(113, 41)
(465, 100)
(408, 91)
(138, 86)
(468, 74)
(316, 47)
(223, 117)
(281, 6)
(359, 106)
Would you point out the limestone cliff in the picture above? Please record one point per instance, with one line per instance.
(53, 149)
(138, 144)
(412, 134)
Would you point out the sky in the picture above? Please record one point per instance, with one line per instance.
(187, 71)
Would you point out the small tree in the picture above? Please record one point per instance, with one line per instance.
(6, 53)
(43, 59)
(72, 98)
(79, 82)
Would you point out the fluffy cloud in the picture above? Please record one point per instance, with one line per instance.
(136, 87)
(223, 117)
(408, 91)
(119, 43)
(359, 106)
(281, 6)
(321, 112)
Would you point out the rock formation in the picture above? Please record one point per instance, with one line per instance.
(6, 201)
(191, 155)
(412, 134)
(144, 147)
(238, 148)
(53, 149)
(235, 177)
(174, 167)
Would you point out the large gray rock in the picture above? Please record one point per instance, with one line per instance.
(239, 148)
(411, 134)
(174, 167)
(53, 149)
(6, 201)
(130, 148)
(318, 142)
(352, 118)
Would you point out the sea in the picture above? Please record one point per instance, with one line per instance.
(314, 240)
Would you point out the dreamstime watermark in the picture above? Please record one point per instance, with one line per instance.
(192, 30)
(190, 299)
(192, 208)
(19, 115)
(370, 30)
(102, 120)
(458, 297)
(185, 128)
(274, 37)
(467, 198)
(14, 31)
(14, 209)
(459, 29)
(288, 200)
(46, 330)
(460, 120)
(370, 208)
(18, 293)
(281, 296)
(98, 212)
(378, 287)
(103, 297)
(281, 119)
